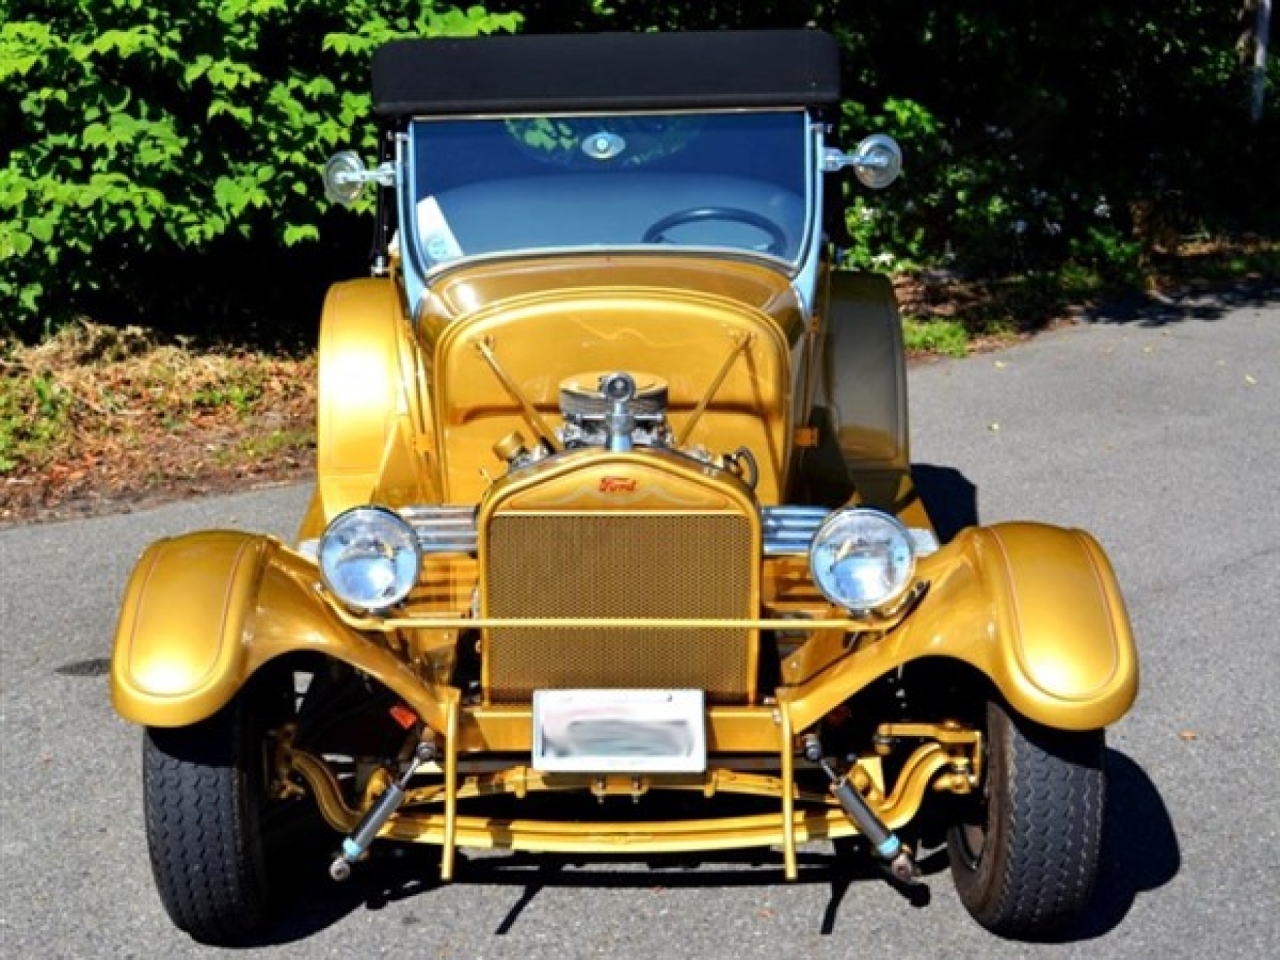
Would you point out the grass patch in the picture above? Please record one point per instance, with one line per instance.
(34, 413)
(258, 447)
(937, 335)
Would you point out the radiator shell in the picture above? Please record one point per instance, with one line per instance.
(633, 535)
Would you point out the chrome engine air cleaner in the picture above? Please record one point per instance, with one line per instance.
(585, 407)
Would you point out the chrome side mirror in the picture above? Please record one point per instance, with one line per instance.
(345, 176)
(876, 162)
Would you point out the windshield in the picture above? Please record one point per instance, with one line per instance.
(715, 180)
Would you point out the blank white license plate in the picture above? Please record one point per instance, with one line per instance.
(619, 731)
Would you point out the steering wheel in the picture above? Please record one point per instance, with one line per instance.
(777, 238)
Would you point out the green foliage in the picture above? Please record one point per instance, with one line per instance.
(1038, 135)
(239, 394)
(1114, 256)
(34, 412)
(947, 337)
(129, 128)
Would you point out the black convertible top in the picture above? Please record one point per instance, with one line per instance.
(550, 73)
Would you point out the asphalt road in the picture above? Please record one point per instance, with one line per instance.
(1158, 431)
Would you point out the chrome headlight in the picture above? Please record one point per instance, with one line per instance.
(862, 559)
(369, 557)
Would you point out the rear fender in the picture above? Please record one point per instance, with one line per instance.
(859, 402)
(1035, 608)
(862, 377)
(203, 612)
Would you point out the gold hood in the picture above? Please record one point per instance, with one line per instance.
(543, 320)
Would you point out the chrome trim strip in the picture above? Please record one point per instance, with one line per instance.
(443, 529)
(787, 531)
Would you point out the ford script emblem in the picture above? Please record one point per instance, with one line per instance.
(617, 485)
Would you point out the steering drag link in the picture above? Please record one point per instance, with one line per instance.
(896, 856)
(355, 845)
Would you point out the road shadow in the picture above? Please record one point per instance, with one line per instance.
(403, 872)
(396, 873)
(1205, 304)
(949, 498)
(1140, 850)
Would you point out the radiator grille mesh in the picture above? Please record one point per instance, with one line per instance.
(619, 565)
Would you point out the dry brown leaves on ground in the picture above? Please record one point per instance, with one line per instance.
(98, 418)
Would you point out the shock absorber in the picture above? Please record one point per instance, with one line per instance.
(355, 845)
(883, 841)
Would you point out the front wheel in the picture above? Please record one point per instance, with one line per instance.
(1026, 856)
(205, 795)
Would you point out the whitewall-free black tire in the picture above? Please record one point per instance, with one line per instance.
(1026, 855)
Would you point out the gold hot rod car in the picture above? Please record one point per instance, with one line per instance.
(614, 503)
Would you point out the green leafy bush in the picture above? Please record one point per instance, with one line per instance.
(131, 128)
(1043, 135)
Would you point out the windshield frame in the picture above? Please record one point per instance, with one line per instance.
(411, 251)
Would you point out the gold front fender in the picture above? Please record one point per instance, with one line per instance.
(203, 612)
(179, 653)
(1035, 608)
